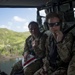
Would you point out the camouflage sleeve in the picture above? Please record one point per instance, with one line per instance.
(40, 49)
(26, 47)
(71, 67)
(64, 48)
(17, 66)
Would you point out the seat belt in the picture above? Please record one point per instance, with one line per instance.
(67, 30)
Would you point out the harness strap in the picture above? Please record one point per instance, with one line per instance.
(30, 60)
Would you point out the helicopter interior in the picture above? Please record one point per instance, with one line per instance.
(64, 7)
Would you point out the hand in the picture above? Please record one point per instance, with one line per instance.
(26, 56)
(35, 43)
(58, 36)
(43, 71)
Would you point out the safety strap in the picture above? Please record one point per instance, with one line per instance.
(30, 60)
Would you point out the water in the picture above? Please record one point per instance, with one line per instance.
(6, 66)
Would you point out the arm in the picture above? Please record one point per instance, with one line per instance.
(64, 48)
(40, 48)
(26, 46)
(17, 67)
(71, 67)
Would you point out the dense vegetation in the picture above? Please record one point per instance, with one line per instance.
(12, 43)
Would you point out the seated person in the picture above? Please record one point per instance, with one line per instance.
(60, 49)
(34, 51)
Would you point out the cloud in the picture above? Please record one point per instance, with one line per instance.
(5, 26)
(25, 27)
(18, 19)
(10, 23)
(22, 28)
(19, 27)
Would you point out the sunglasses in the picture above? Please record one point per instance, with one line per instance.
(54, 24)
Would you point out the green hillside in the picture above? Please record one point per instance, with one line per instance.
(12, 42)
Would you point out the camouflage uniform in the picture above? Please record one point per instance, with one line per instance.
(64, 55)
(38, 52)
(16, 67)
(61, 61)
(71, 67)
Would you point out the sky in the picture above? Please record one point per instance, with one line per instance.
(17, 19)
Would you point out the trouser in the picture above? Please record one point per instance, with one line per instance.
(33, 67)
(60, 71)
